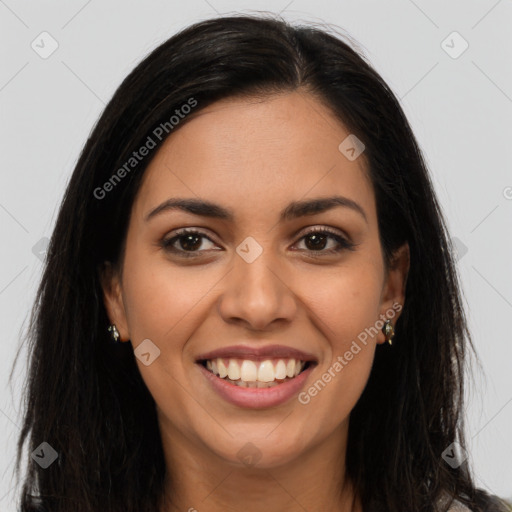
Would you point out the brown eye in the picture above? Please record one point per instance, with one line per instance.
(317, 239)
(189, 242)
(185, 241)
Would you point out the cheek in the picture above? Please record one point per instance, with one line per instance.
(161, 297)
(346, 305)
(163, 304)
(346, 300)
(348, 314)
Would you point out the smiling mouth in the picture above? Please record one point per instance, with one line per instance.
(249, 373)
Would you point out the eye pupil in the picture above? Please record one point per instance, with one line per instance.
(190, 246)
(317, 239)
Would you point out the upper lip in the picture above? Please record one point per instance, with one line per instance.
(248, 352)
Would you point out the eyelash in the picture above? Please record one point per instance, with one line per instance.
(344, 244)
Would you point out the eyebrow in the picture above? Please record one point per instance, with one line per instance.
(294, 210)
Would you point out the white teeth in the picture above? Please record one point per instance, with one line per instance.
(233, 370)
(280, 370)
(223, 371)
(266, 371)
(248, 373)
(290, 368)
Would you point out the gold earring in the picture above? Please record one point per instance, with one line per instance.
(114, 333)
(388, 331)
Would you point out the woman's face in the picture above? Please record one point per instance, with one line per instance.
(257, 292)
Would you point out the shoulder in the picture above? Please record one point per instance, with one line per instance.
(483, 501)
(457, 506)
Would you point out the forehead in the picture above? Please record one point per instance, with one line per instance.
(254, 154)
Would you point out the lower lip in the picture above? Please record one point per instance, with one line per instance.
(257, 398)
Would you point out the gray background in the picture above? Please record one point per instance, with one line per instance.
(460, 109)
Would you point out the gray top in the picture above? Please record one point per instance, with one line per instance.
(457, 506)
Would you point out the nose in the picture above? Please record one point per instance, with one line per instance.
(256, 294)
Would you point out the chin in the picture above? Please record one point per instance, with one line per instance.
(255, 448)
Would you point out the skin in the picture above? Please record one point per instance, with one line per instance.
(254, 156)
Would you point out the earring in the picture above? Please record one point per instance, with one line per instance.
(114, 333)
(388, 331)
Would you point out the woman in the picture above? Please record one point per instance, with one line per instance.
(249, 300)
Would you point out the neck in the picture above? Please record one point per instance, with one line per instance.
(199, 480)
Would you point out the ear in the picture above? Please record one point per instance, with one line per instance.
(113, 299)
(393, 290)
